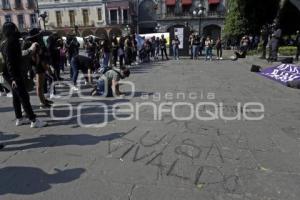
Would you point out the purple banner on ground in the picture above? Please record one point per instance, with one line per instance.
(282, 73)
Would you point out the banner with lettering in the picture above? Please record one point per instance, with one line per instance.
(283, 73)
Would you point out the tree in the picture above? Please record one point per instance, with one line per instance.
(248, 17)
(235, 21)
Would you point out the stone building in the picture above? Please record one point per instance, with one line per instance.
(21, 12)
(101, 18)
(85, 17)
(169, 13)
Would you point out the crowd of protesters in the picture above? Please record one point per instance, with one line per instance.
(37, 59)
(27, 61)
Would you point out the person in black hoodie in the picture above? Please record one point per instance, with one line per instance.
(72, 46)
(12, 54)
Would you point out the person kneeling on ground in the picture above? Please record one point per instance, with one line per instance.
(83, 63)
(109, 82)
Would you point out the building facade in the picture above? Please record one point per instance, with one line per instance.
(22, 12)
(102, 18)
(169, 13)
(119, 16)
(84, 17)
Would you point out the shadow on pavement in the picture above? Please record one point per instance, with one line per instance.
(31, 180)
(6, 109)
(4, 137)
(45, 141)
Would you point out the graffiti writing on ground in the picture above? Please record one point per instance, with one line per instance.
(200, 160)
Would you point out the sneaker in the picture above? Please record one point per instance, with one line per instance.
(9, 95)
(221, 58)
(75, 88)
(22, 121)
(38, 124)
(45, 106)
(49, 102)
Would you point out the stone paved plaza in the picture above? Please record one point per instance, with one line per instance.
(160, 159)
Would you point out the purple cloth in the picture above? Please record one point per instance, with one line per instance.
(283, 73)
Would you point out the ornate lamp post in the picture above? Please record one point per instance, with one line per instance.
(127, 29)
(199, 12)
(157, 28)
(43, 17)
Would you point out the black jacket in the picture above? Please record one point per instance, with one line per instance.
(12, 55)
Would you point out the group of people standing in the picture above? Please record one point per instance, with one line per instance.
(199, 44)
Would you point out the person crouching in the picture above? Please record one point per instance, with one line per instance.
(108, 83)
(85, 65)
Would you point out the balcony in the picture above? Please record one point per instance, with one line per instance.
(67, 24)
(115, 22)
(217, 14)
(189, 15)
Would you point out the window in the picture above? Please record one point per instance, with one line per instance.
(21, 22)
(58, 19)
(99, 14)
(213, 7)
(186, 10)
(18, 4)
(5, 4)
(7, 18)
(31, 4)
(170, 10)
(72, 18)
(85, 14)
(33, 20)
(125, 16)
(113, 16)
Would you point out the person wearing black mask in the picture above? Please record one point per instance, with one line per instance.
(12, 54)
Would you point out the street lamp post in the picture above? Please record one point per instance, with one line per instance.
(198, 12)
(127, 29)
(158, 27)
(44, 16)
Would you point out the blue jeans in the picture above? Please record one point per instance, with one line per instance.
(175, 52)
(195, 51)
(105, 60)
(208, 52)
(75, 70)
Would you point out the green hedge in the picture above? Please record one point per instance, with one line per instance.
(287, 50)
(283, 51)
